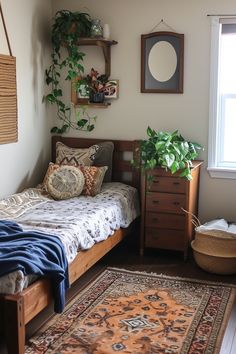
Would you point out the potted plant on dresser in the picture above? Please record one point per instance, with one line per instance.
(169, 192)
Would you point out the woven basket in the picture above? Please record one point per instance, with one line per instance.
(215, 251)
(216, 243)
(215, 264)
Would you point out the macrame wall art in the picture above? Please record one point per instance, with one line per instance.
(8, 94)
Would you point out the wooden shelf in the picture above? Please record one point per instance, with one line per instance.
(96, 41)
(105, 44)
(91, 104)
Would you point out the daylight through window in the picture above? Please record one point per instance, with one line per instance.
(222, 129)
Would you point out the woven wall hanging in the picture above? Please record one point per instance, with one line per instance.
(8, 94)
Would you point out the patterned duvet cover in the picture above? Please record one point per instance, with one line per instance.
(79, 222)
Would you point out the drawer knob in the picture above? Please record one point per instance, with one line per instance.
(156, 181)
(155, 201)
(176, 203)
(176, 183)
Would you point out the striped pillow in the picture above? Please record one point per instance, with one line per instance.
(93, 179)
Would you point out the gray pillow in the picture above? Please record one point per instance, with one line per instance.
(103, 157)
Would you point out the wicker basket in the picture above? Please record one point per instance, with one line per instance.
(215, 251)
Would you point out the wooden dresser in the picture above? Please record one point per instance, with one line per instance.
(164, 224)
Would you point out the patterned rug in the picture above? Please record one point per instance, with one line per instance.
(134, 312)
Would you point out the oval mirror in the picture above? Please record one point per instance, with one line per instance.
(162, 61)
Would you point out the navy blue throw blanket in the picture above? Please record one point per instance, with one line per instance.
(34, 253)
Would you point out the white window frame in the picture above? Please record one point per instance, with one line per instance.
(214, 118)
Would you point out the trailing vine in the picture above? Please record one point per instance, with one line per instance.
(67, 28)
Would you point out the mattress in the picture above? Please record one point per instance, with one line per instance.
(79, 222)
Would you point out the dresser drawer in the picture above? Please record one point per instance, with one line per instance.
(165, 221)
(167, 184)
(164, 202)
(165, 239)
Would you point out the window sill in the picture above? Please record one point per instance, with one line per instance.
(222, 172)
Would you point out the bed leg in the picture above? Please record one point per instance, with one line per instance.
(14, 325)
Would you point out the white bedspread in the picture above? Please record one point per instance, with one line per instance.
(79, 222)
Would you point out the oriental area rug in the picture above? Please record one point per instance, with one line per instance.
(133, 312)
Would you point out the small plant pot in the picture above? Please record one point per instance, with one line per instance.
(97, 97)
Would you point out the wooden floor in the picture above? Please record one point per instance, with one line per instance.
(170, 263)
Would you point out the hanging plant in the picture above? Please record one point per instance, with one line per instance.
(67, 28)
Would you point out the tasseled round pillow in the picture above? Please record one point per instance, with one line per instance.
(65, 182)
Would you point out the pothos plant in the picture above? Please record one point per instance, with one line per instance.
(67, 28)
(168, 150)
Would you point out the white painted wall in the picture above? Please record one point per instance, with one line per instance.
(129, 116)
(23, 163)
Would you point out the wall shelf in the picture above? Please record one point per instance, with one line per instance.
(106, 48)
(82, 102)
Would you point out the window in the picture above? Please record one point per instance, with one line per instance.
(222, 127)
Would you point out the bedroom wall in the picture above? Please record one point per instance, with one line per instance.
(23, 163)
(129, 116)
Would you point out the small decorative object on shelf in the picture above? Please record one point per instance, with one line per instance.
(83, 92)
(97, 97)
(106, 31)
(111, 89)
(96, 28)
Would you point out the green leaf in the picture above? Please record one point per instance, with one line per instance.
(174, 167)
(159, 145)
(54, 130)
(149, 132)
(169, 158)
(64, 128)
(181, 165)
(61, 104)
(82, 122)
(49, 80)
(57, 92)
(90, 127)
(50, 98)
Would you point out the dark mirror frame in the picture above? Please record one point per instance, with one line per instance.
(148, 82)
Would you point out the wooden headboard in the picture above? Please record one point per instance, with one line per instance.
(124, 151)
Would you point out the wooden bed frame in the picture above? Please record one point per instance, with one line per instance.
(19, 309)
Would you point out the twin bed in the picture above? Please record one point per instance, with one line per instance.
(92, 225)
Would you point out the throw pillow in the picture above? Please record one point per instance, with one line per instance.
(103, 157)
(65, 182)
(93, 179)
(51, 167)
(66, 155)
